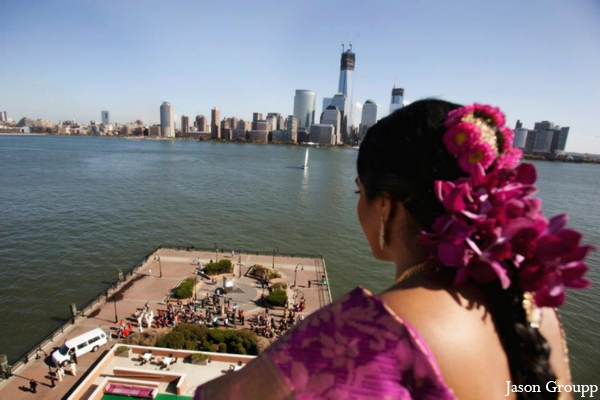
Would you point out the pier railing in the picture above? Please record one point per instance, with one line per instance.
(244, 251)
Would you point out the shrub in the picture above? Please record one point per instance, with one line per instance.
(215, 268)
(279, 285)
(273, 274)
(199, 356)
(199, 337)
(206, 345)
(146, 338)
(193, 332)
(277, 298)
(172, 340)
(259, 270)
(121, 349)
(190, 345)
(216, 335)
(185, 289)
(262, 344)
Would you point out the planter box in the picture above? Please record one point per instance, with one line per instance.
(126, 353)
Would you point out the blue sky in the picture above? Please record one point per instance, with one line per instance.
(537, 60)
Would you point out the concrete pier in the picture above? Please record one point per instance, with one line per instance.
(146, 285)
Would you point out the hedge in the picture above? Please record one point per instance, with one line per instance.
(172, 340)
(185, 289)
(221, 267)
(200, 337)
(277, 298)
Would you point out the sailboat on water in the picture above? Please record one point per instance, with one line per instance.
(305, 160)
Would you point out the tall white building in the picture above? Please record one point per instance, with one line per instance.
(356, 114)
(397, 99)
(346, 85)
(3, 116)
(304, 107)
(369, 117)
(105, 117)
(167, 120)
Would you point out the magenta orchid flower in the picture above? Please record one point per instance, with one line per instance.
(493, 227)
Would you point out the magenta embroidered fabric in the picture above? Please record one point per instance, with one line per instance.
(356, 348)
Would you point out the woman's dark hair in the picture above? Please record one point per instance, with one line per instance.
(401, 156)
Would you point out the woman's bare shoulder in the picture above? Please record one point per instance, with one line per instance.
(457, 327)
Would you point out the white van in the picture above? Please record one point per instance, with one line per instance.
(89, 341)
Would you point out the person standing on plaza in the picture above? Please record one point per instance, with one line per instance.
(33, 386)
(73, 368)
(60, 373)
(73, 355)
(52, 378)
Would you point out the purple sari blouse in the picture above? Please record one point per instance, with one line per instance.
(354, 348)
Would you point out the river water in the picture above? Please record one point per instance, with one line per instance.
(74, 209)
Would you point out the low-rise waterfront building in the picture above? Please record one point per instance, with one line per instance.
(322, 134)
(154, 130)
(284, 136)
(258, 135)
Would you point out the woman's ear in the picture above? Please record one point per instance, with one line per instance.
(387, 208)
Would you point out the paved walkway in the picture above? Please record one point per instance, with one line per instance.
(147, 285)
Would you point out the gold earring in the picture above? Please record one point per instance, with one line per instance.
(382, 234)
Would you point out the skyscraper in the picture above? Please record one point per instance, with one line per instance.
(340, 101)
(332, 116)
(3, 117)
(304, 107)
(292, 124)
(167, 120)
(369, 117)
(346, 85)
(397, 99)
(185, 123)
(215, 129)
(201, 123)
(105, 117)
(520, 137)
(563, 135)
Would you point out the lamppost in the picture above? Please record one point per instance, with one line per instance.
(240, 258)
(195, 283)
(216, 252)
(274, 250)
(296, 272)
(115, 303)
(157, 258)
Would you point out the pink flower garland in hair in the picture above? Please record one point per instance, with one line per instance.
(493, 228)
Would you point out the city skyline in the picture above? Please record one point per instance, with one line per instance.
(501, 54)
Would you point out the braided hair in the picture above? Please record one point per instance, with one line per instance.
(403, 155)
